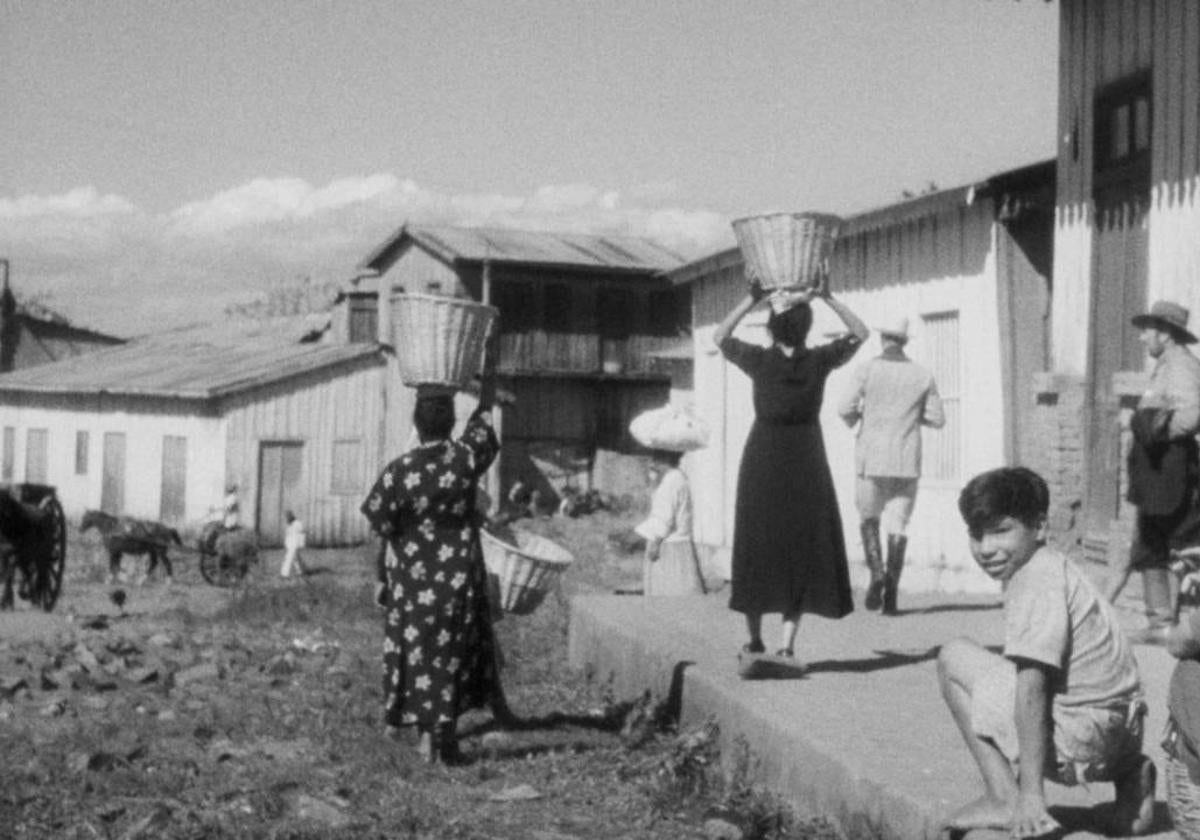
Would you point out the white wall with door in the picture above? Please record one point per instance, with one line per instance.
(157, 465)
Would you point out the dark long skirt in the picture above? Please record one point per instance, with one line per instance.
(789, 555)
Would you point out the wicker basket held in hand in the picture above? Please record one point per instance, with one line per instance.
(439, 340)
(525, 572)
(786, 250)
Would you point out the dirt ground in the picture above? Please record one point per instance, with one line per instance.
(189, 711)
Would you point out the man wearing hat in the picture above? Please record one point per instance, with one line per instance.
(890, 399)
(1162, 459)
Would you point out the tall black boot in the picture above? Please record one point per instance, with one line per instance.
(870, 540)
(896, 543)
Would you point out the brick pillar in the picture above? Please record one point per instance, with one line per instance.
(1058, 453)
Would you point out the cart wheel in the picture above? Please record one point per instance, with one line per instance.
(48, 574)
(222, 570)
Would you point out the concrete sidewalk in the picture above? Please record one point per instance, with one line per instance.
(863, 737)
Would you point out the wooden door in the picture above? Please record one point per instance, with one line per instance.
(8, 465)
(173, 504)
(1119, 258)
(279, 472)
(112, 483)
(36, 446)
(1024, 255)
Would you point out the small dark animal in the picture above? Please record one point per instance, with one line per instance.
(126, 535)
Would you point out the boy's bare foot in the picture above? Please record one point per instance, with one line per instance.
(1133, 813)
(984, 812)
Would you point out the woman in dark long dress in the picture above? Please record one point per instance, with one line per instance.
(789, 555)
(440, 655)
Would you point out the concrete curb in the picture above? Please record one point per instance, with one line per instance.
(863, 738)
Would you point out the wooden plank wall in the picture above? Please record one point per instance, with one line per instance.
(328, 406)
(948, 243)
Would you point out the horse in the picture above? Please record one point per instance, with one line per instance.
(18, 541)
(126, 535)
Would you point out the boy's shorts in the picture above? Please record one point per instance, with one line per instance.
(1090, 742)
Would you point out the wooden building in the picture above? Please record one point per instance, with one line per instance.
(33, 335)
(158, 427)
(1126, 233)
(970, 268)
(581, 319)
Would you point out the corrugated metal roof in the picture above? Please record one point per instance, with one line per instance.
(1031, 179)
(499, 245)
(197, 363)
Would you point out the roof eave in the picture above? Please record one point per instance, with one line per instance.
(384, 256)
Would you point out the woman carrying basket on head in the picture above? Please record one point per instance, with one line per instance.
(789, 555)
(440, 654)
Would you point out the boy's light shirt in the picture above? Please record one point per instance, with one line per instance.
(1053, 615)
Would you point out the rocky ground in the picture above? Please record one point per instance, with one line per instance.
(188, 711)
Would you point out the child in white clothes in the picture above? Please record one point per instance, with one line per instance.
(294, 539)
(670, 565)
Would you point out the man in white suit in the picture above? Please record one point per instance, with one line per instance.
(890, 399)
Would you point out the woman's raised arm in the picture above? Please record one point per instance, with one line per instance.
(853, 323)
(729, 322)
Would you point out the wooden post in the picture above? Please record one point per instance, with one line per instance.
(492, 480)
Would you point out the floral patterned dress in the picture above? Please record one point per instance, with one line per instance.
(439, 655)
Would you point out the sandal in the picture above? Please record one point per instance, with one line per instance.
(786, 652)
(754, 648)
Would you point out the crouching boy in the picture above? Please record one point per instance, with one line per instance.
(1064, 702)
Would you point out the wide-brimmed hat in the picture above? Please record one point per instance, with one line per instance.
(1169, 316)
(896, 327)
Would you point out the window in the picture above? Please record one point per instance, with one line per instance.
(1124, 119)
(81, 453)
(347, 466)
(516, 303)
(364, 321)
(664, 312)
(615, 312)
(941, 449)
(1123, 122)
(35, 455)
(9, 464)
(558, 306)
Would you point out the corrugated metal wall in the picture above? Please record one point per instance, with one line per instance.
(1102, 41)
(942, 267)
(339, 405)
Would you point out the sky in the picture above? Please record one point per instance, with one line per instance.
(161, 161)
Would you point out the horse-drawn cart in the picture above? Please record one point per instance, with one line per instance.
(33, 544)
(226, 554)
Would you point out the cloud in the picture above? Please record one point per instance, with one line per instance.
(109, 265)
(81, 203)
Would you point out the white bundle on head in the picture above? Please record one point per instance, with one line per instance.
(670, 427)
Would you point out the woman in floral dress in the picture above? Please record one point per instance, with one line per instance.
(439, 652)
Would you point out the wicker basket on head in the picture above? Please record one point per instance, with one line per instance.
(439, 340)
(784, 250)
(525, 572)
